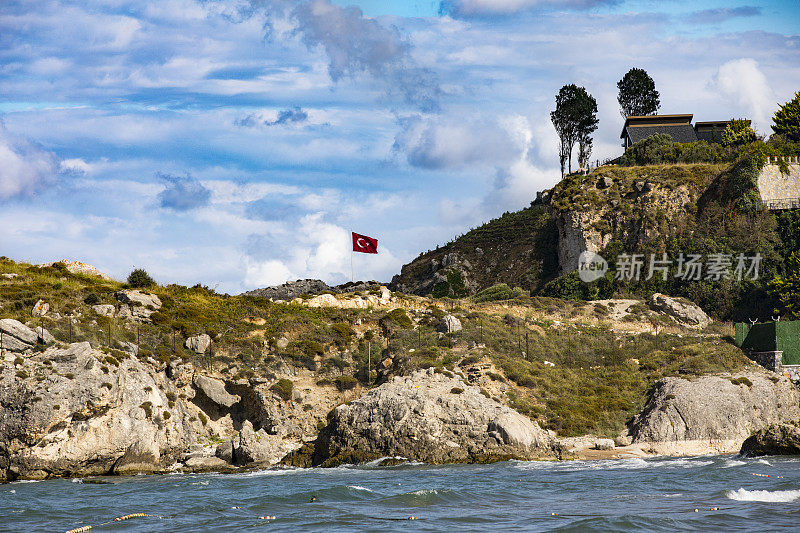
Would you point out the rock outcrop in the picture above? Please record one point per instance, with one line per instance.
(722, 408)
(77, 411)
(429, 417)
(17, 337)
(66, 412)
(776, 439)
(291, 289)
(77, 267)
(450, 324)
(680, 310)
(137, 305)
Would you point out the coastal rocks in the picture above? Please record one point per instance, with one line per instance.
(429, 417)
(66, 412)
(291, 289)
(137, 305)
(40, 309)
(141, 457)
(777, 439)
(449, 324)
(199, 343)
(681, 311)
(724, 409)
(259, 448)
(214, 389)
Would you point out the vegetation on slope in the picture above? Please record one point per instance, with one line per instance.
(590, 382)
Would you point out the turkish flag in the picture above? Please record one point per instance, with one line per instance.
(364, 244)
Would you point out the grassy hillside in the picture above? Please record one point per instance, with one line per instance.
(517, 248)
(567, 364)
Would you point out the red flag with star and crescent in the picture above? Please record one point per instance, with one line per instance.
(364, 244)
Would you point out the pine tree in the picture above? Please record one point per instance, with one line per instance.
(786, 121)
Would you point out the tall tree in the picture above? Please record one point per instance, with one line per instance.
(786, 121)
(587, 124)
(574, 119)
(637, 94)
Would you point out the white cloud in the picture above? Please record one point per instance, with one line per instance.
(743, 83)
(24, 166)
(467, 8)
(75, 166)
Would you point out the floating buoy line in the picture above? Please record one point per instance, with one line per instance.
(117, 519)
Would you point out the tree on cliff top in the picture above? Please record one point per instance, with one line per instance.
(786, 121)
(637, 94)
(575, 118)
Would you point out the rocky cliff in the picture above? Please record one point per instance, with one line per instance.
(77, 411)
(723, 409)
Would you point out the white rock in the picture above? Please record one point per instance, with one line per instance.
(450, 324)
(199, 343)
(40, 309)
(104, 310)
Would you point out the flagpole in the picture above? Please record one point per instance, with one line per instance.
(352, 274)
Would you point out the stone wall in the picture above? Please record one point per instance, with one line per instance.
(772, 185)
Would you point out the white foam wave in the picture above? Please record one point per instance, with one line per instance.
(358, 487)
(764, 462)
(743, 495)
(731, 463)
(423, 492)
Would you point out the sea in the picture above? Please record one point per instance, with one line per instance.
(715, 493)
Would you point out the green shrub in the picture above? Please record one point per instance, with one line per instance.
(91, 299)
(283, 388)
(139, 278)
(456, 390)
(203, 418)
(400, 317)
(148, 408)
(501, 291)
(742, 381)
(344, 383)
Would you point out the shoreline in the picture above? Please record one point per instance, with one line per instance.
(647, 450)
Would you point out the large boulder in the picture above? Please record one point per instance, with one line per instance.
(450, 324)
(776, 439)
(721, 408)
(16, 336)
(680, 310)
(199, 343)
(429, 417)
(137, 305)
(254, 448)
(214, 389)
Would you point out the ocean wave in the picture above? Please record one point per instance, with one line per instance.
(729, 463)
(743, 495)
(764, 462)
(359, 487)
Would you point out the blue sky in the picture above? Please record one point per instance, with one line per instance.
(237, 142)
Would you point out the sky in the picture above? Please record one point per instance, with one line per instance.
(236, 143)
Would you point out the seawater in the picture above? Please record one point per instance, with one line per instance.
(613, 495)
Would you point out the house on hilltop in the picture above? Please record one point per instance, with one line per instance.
(679, 127)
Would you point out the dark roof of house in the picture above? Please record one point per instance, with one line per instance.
(635, 121)
(682, 133)
(710, 125)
